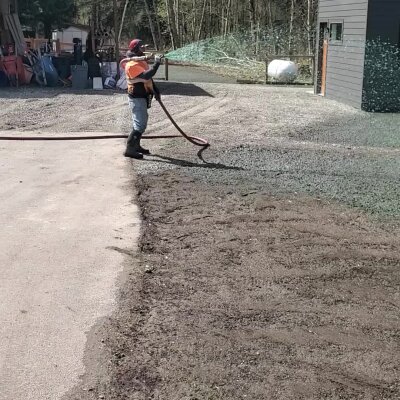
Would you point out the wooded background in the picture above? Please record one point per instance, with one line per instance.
(287, 26)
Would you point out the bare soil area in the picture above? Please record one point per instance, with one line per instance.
(269, 271)
(260, 297)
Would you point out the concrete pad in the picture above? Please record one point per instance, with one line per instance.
(65, 207)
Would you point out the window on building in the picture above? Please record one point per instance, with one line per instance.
(336, 32)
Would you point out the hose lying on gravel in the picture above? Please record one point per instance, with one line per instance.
(192, 139)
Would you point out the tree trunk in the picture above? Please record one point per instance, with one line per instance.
(269, 14)
(203, 13)
(194, 20)
(151, 24)
(157, 20)
(93, 27)
(253, 24)
(309, 27)
(209, 21)
(47, 29)
(123, 20)
(222, 22)
(228, 16)
(178, 27)
(291, 25)
(171, 23)
(116, 30)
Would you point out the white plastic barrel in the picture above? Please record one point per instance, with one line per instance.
(283, 71)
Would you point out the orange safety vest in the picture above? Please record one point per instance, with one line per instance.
(132, 70)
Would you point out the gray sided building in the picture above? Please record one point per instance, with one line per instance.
(358, 54)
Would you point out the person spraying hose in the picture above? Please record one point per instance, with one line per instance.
(141, 89)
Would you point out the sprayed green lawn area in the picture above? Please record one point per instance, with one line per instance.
(369, 182)
(305, 145)
(356, 128)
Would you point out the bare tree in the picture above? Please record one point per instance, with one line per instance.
(171, 23)
(151, 23)
(290, 23)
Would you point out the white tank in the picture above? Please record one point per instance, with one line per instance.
(283, 71)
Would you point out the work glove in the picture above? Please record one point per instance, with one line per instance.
(158, 58)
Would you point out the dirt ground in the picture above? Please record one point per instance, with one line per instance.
(263, 297)
(269, 271)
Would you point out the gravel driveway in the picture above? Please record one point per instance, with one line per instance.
(271, 270)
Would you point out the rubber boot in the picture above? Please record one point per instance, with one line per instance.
(133, 146)
(143, 150)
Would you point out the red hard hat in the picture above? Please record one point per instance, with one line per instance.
(135, 44)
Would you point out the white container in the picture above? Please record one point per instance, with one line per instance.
(283, 71)
(110, 83)
(97, 83)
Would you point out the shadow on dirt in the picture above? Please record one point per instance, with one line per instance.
(181, 89)
(189, 164)
(34, 92)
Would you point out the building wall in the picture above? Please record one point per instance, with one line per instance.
(382, 60)
(345, 68)
(66, 37)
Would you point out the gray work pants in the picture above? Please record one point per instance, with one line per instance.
(140, 115)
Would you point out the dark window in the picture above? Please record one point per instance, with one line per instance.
(336, 32)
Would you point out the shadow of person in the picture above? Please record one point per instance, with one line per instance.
(189, 164)
(181, 89)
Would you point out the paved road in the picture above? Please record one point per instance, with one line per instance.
(64, 209)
